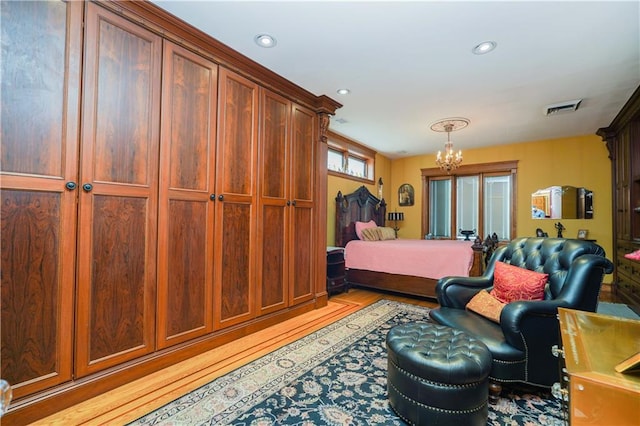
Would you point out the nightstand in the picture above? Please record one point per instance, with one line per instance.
(336, 281)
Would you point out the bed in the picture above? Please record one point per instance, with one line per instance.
(366, 269)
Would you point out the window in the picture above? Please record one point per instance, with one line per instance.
(440, 218)
(335, 160)
(356, 166)
(467, 202)
(476, 197)
(347, 158)
(497, 193)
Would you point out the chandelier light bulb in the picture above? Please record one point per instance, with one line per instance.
(451, 159)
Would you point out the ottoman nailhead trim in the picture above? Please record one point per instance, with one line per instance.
(444, 385)
(403, 418)
(441, 410)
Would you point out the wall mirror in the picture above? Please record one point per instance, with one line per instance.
(562, 202)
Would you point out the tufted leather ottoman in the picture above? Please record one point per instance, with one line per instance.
(437, 375)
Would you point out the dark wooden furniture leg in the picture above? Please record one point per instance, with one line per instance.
(495, 389)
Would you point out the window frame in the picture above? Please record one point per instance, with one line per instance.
(483, 169)
(350, 148)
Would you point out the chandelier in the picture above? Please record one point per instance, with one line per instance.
(450, 160)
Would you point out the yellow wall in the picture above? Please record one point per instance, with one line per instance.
(577, 161)
(580, 161)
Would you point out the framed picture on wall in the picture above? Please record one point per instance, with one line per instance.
(406, 195)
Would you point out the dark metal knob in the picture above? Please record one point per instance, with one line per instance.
(220, 197)
(87, 187)
(294, 202)
(71, 186)
(212, 197)
(288, 202)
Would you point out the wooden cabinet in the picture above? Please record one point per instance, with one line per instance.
(336, 276)
(301, 242)
(623, 141)
(593, 345)
(138, 227)
(41, 57)
(234, 263)
(274, 203)
(286, 204)
(186, 218)
(118, 199)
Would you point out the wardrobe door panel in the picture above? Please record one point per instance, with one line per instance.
(236, 280)
(302, 231)
(274, 202)
(238, 135)
(118, 272)
(187, 198)
(234, 262)
(40, 67)
(118, 200)
(301, 256)
(274, 143)
(185, 298)
(303, 148)
(274, 277)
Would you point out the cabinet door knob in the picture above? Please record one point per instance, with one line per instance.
(294, 203)
(220, 197)
(87, 187)
(71, 186)
(288, 202)
(212, 197)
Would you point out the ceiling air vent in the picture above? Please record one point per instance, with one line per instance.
(566, 106)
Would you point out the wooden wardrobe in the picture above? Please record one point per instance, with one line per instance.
(623, 141)
(161, 195)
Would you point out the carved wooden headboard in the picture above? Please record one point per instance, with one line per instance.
(359, 206)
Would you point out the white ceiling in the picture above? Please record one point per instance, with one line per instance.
(409, 63)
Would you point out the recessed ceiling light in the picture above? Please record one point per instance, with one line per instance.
(265, 40)
(484, 47)
(343, 91)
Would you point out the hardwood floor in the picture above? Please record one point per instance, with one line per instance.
(137, 398)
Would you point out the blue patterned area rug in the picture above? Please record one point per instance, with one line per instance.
(334, 376)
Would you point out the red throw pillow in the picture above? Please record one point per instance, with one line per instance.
(512, 283)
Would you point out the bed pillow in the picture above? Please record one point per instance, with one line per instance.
(364, 225)
(370, 234)
(486, 305)
(385, 233)
(512, 283)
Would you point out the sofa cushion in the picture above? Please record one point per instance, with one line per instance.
(488, 332)
(511, 283)
(486, 305)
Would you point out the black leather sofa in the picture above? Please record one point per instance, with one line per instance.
(521, 343)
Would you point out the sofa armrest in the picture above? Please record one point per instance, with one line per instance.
(455, 292)
(528, 319)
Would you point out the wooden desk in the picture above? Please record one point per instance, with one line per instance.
(593, 344)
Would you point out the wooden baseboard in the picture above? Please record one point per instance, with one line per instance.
(37, 406)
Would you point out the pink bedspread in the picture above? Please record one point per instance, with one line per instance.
(421, 258)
